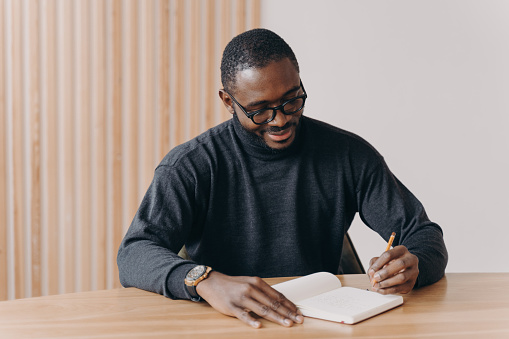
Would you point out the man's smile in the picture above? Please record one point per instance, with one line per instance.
(280, 134)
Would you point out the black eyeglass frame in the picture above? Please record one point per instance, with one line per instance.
(281, 108)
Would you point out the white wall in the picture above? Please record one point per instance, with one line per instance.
(427, 83)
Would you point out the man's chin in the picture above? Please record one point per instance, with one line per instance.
(272, 144)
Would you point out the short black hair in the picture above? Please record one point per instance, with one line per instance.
(255, 48)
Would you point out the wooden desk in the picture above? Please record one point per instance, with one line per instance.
(462, 305)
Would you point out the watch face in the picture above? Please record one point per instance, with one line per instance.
(196, 272)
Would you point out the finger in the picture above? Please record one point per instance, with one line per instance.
(266, 312)
(276, 295)
(277, 306)
(386, 258)
(403, 288)
(245, 317)
(276, 301)
(394, 267)
(408, 262)
(284, 307)
(397, 279)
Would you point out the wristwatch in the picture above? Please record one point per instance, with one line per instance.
(193, 277)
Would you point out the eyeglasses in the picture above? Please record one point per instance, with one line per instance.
(267, 114)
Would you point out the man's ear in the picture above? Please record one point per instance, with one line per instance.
(227, 101)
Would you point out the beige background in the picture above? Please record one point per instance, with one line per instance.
(427, 83)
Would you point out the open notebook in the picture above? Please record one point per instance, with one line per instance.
(320, 295)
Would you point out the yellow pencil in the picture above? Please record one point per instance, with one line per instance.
(389, 244)
(391, 239)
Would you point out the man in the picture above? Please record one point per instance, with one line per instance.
(271, 193)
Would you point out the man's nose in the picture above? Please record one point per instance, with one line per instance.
(280, 119)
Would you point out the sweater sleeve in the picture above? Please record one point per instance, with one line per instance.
(147, 257)
(386, 206)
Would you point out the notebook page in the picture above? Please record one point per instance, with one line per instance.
(308, 286)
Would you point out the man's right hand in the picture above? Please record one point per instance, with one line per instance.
(239, 296)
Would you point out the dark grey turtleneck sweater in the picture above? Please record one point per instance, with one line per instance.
(246, 210)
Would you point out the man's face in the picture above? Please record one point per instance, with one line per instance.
(270, 86)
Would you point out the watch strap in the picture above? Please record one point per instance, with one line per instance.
(192, 291)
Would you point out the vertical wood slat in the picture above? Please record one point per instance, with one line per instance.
(18, 153)
(80, 159)
(132, 88)
(226, 35)
(83, 58)
(117, 191)
(255, 13)
(99, 138)
(164, 75)
(76, 156)
(210, 63)
(68, 204)
(35, 135)
(194, 71)
(147, 111)
(177, 75)
(4, 162)
(240, 16)
(51, 162)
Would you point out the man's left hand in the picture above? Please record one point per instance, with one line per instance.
(395, 271)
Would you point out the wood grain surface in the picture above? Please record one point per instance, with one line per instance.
(466, 305)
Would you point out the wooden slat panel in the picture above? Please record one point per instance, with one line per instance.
(18, 153)
(226, 35)
(240, 16)
(255, 13)
(194, 70)
(147, 114)
(164, 77)
(92, 158)
(77, 139)
(51, 162)
(211, 63)
(177, 74)
(83, 56)
(131, 138)
(116, 157)
(69, 205)
(61, 87)
(99, 222)
(35, 140)
(4, 162)
(226, 18)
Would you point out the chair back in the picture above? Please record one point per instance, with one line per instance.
(350, 262)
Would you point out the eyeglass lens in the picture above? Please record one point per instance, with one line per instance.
(290, 107)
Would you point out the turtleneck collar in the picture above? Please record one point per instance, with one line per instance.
(256, 147)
